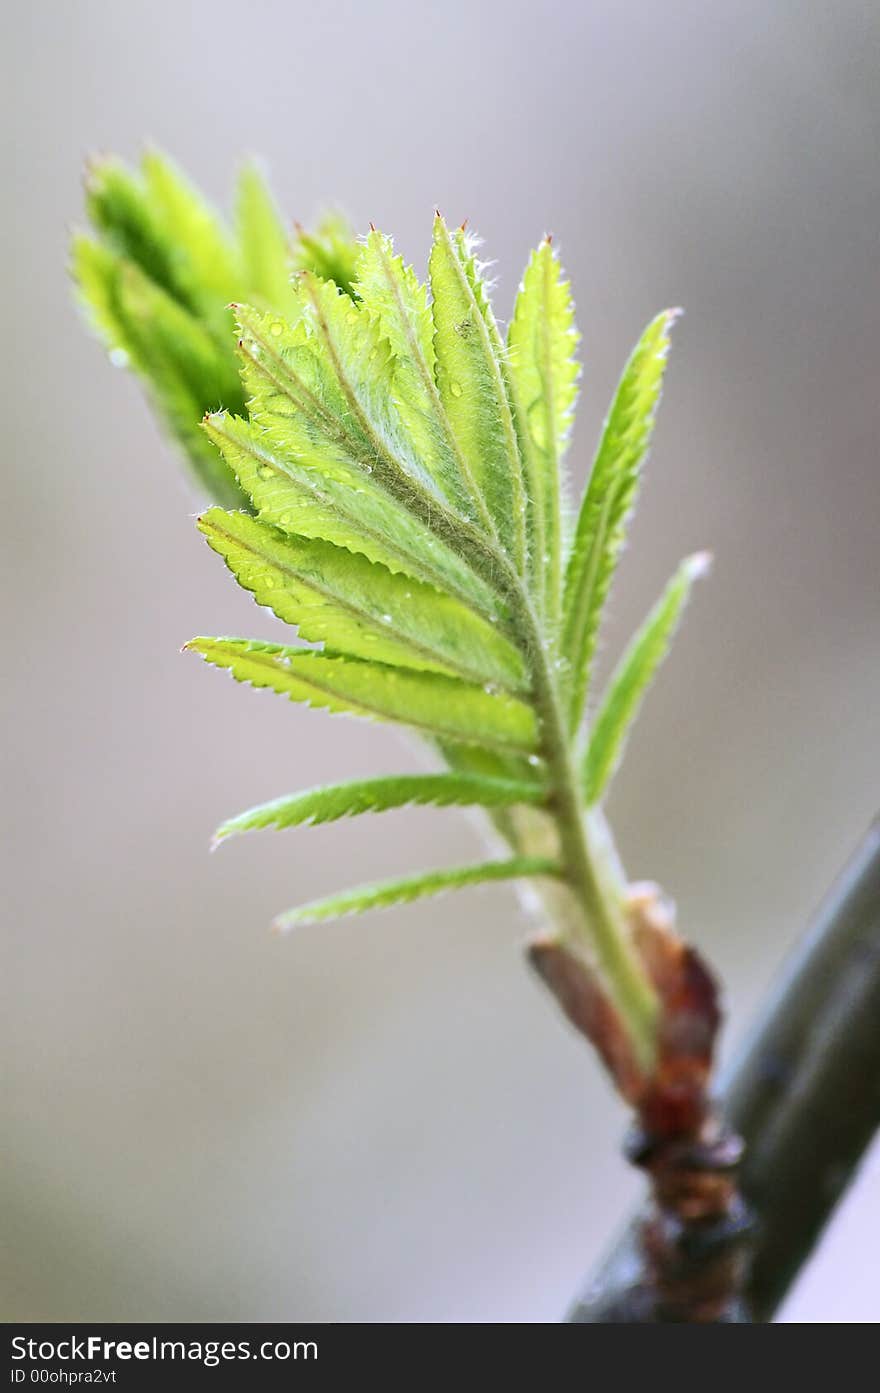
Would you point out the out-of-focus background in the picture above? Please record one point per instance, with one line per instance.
(385, 1119)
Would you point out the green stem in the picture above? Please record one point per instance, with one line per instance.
(605, 924)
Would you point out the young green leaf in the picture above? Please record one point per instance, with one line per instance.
(378, 795)
(360, 363)
(183, 368)
(542, 341)
(303, 501)
(359, 608)
(632, 678)
(267, 258)
(394, 298)
(472, 388)
(439, 706)
(207, 268)
(322, 434)
(608, 502)
(415, 887)
(330, 251)
(121, 212)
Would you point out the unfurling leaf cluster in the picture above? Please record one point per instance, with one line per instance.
(388, 466)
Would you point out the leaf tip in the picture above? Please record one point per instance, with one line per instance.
(698, 565)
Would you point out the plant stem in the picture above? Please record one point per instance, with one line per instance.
(606, 931)
(805, 1095)
(605, 923)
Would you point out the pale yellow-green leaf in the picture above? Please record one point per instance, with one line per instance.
(440, 706)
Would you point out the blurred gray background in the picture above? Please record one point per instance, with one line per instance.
(384, 1119)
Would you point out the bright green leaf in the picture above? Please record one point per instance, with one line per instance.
(415, 887)
(377, 795)
(329, 251)
(608, 502)
(358, 608)
(470, 380)
(632, 678)
(542, 341)
(440, 706)
(398, 303)
(265, 250)
(205, 261)
(336, 435)
(183, 368)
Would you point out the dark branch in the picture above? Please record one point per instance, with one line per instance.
(805, 1095)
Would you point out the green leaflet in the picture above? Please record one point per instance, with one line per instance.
(378, 795)
(267, 258)
(301, 500)
(330, 251)
(307, 423)
(607, 504)
(358, 608)
(439, 706)
(398, 303)
(415, 887)
(471, 383)
(119, 209)
(206, 266)
(542, 341)
(632, 677)
(360, 363)
(181, 364)
(162, 248)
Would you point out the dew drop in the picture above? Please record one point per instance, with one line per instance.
(119, 357)
(455, 388)
(534, 760)
(386, 619)
(277, 329)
